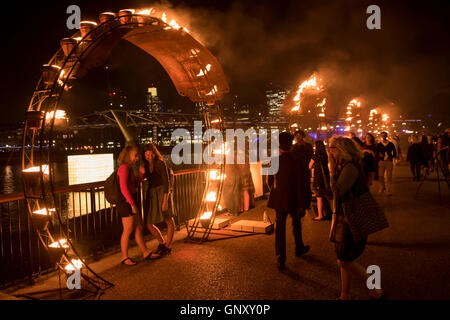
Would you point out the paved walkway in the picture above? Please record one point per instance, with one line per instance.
(413, 255)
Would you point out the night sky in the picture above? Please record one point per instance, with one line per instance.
(283, 42)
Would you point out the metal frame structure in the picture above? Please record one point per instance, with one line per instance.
(41, 121)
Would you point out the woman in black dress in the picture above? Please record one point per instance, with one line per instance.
(348, 182)
(321, 181)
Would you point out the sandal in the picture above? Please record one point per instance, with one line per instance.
(153, 255)
(128, 264)
(163, 250)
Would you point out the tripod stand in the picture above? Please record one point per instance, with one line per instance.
(437, 166)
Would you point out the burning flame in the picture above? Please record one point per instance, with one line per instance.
(62, 243)
(211, 197)
(75, 264)
(213, 91)
(44, 212)
(174, 24)
(203, 72)
(37, 169)
(60, 114)
(214, 175)
(146, 12)
(206, 215)
(164, 17)
(311, 83)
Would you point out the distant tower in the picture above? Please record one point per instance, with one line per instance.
(153, 102)
(274, 99)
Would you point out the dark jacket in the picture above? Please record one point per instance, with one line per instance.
(283, 185)
(414, 153)
(426, 150)
(303, 154)
(159, 176)
(389, 149)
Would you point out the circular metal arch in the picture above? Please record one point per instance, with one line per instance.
(195, 73)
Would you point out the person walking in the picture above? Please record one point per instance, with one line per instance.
(283, 199)
(426, 154)
(414, 156)
(321, 177)
(386, 153)
(156, 205)
(348, 182)
(128, 208)
(370, 145)
(301, 147)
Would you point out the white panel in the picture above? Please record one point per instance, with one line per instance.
(88, 168)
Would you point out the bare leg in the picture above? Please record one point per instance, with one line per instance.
(319, 208)
(155, 233)
(345, 281)
(139, 236)
(246, 197)
(170, 231)
(128, 224)
(359, 271)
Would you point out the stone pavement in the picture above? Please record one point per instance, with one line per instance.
(413, 255)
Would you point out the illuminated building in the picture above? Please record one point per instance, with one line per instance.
(274, 100)
(152, 100)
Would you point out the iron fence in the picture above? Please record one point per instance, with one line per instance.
(94, 224)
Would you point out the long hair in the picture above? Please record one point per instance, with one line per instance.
(371, 138)
(320, 150)
(150, 147)
(124, 156)
(348, 151)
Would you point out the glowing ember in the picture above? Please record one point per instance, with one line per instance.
(206, 216)
(37, 169)
(211, 197)
(44, 212)
(75, 264)
(62, 243)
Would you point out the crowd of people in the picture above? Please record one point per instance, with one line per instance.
(339, 175)
(336, 171)
(429, 153)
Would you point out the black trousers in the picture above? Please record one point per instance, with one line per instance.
(415, 170)
(280, 232)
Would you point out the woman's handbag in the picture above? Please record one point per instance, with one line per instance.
(338, 228)
(364, 216)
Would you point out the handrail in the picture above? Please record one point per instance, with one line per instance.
(80, 187)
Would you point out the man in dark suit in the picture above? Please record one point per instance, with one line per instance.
(284, 200)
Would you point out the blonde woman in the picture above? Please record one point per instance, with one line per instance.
(156, 205)
(348, 181)
(128, 208)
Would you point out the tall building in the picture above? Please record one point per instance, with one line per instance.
(153, 102)
(274, 99)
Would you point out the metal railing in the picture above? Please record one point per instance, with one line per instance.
(94, 224)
